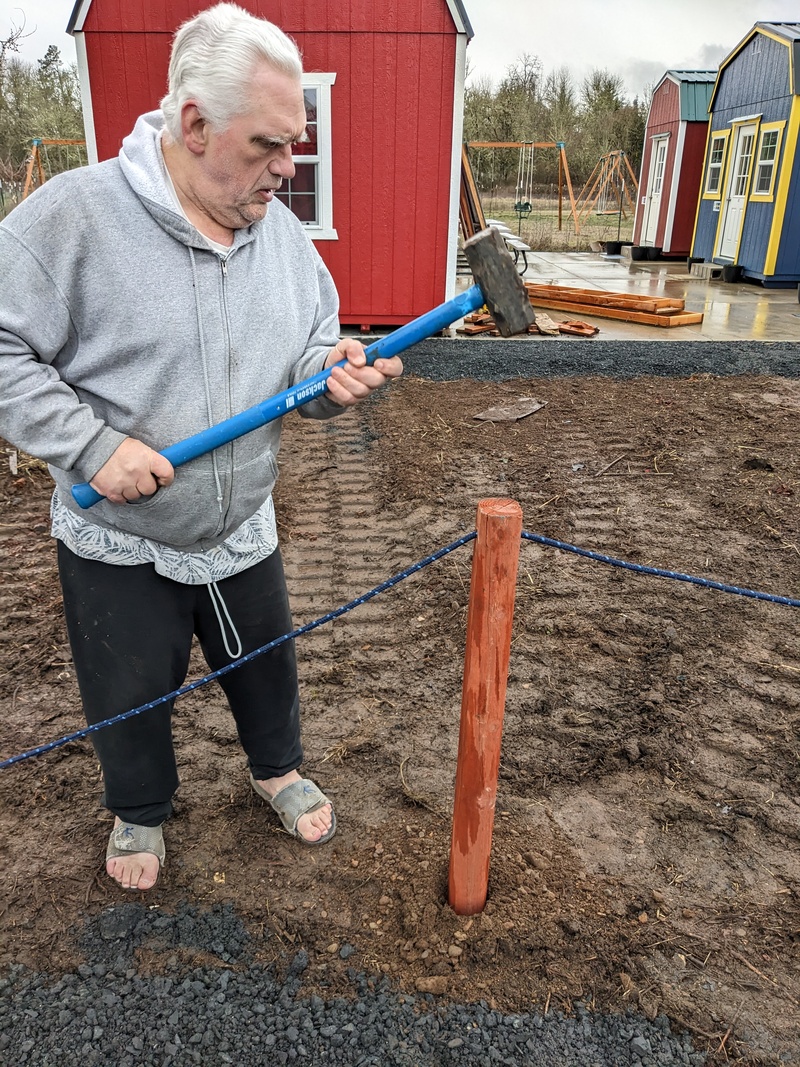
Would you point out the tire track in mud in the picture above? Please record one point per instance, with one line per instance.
(359, 722)
(584, 657)
(22, 570)
(342, 543)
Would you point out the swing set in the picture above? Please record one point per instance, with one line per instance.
(611, 185)
(523, 197)
(40, 166)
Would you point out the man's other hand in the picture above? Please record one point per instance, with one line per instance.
(132, 472)
(355, 380)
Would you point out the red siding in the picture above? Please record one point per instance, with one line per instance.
(664, 117)
(128, 77)
(391, 169)
(337, 16)
(689, 189)
(666, 104)
(392, 105)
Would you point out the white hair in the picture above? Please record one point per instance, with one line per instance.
(213, 59)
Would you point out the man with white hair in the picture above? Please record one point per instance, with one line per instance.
(157, 294)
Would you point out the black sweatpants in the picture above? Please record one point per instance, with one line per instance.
(131, 631)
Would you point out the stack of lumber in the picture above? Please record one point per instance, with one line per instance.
(629, 307)
(482, 322)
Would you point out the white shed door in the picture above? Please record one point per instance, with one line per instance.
(736, 191)
(654, 186)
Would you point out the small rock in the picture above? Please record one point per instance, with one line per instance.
(640, 1045)
(436, 984)
(632, 751)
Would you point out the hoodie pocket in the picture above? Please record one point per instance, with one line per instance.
(253, 482)
(181, 515)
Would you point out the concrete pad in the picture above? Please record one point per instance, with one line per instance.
(735, 311)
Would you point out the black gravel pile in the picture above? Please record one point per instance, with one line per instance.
(497, 359)
(232, 1011)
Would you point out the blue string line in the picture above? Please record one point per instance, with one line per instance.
(598, 557)
(675, 575)
(41, 749)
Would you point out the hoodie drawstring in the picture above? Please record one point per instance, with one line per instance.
(217, 601)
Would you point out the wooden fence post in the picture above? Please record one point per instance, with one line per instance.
(489, 621)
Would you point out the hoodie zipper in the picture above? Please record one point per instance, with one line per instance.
(228, 384)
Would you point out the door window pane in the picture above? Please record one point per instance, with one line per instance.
(743, 164)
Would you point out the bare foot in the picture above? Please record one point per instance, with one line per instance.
(310, 827)
(137, 870)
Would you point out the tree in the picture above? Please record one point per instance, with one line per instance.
(39, 99)
(591, 120)
(561, 105)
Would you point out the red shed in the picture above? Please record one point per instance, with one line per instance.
(378, 187)
(672, 162)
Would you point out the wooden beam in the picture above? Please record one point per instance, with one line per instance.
(600, 297)
(662, 318)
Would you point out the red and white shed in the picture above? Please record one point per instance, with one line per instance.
(672, 162)
(378, 186)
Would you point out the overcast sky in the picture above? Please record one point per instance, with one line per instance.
(637, 39)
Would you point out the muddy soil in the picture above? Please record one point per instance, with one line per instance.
(646, 848)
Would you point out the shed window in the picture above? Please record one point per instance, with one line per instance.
(309, 193)
(766, 161)
(716, 160)
(743, 168)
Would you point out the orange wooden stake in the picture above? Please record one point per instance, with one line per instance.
(489, 622)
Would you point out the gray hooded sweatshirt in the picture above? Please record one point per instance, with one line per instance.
(117, 320)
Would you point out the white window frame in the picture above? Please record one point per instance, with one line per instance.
(323, 229)
(771, 165)
(717, 169)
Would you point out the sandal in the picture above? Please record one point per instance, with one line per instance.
(128, 837)
(294, 801)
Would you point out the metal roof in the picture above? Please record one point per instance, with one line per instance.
(695, 88)
(789, 30)
(693, 75)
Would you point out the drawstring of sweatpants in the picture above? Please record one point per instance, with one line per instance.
(217, 601)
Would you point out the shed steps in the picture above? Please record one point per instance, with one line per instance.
(706, 270)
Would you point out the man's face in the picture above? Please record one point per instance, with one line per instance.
(240, 169)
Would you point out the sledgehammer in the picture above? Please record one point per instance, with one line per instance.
(498, 286)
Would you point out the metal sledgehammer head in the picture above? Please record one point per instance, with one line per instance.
(495, 274)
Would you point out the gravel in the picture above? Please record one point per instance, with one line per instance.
(236, 1011)
(498, 359)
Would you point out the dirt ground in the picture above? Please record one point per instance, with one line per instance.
(646, 848)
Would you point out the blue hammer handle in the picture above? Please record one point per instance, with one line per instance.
(276, 406)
